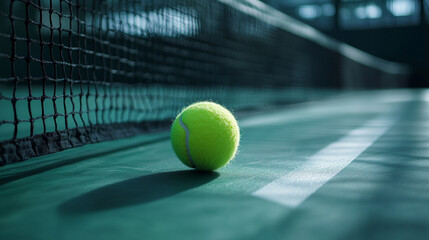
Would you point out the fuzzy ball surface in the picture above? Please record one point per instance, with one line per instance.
(205, 136)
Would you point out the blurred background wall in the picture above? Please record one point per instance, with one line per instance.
(396, 30)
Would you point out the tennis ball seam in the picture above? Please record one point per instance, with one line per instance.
(187, 134)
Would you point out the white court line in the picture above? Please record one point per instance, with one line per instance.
(296, 186)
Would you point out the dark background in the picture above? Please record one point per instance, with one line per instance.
(396, 30)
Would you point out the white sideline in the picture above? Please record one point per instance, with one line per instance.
(296, 186)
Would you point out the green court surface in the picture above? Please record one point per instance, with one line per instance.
(351, 167)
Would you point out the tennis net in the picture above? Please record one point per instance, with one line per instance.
(75, 72)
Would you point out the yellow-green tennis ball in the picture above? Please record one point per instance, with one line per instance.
(205, 136)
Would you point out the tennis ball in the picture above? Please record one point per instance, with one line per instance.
(205, 136)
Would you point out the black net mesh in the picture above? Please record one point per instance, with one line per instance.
(75, 72)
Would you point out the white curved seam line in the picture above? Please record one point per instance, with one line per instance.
(188, 151)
